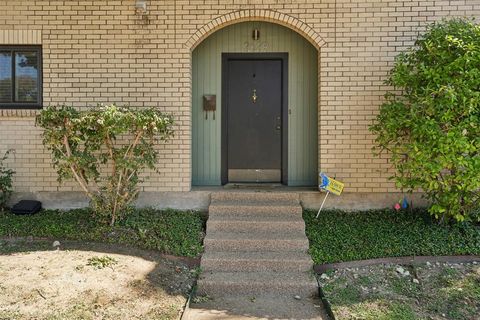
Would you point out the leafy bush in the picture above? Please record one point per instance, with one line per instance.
(6, 181)
(104, 151)
(431, 125)
(344, 236)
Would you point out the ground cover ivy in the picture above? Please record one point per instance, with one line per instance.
(168, 231)
(337, 236)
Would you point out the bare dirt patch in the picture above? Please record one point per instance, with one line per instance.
(90, 281)
(437, 291)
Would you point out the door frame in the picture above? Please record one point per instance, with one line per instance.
(283, 57)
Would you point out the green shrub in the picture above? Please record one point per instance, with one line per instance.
(431, 124)
(6, 181)
(104, 151)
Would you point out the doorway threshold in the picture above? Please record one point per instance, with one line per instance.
(254, 187)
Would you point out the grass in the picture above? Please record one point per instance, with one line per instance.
(102, 262)
(378, 310)
(459, 295)
(345, 236)
(168, 231)
(443, 291)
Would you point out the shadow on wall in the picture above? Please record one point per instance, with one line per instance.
(66, 200)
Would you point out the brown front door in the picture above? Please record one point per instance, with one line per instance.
(254, 120)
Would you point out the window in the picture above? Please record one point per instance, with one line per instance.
(20, 77)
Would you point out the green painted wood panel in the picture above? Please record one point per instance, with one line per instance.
(302, 98)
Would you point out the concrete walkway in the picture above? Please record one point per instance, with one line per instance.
(255, 264)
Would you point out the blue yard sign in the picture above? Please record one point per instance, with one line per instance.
(329, 185)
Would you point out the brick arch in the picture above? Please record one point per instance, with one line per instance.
(256, 15)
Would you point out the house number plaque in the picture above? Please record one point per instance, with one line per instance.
(255, 46)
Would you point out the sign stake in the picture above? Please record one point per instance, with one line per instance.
(324, 199)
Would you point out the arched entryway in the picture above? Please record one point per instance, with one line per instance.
(262, 80)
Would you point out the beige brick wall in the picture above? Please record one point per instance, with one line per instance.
(101, 51)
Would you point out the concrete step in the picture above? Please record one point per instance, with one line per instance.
(214, 284)
(291, 197)
(255, 224)
(256, 261)
(254, 203)
(256, 247)
(247, 241)
(252, 210)
(277, 306)
(258, 218)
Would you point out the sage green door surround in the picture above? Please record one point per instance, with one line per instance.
(302, 98)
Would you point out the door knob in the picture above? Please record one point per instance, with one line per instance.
(254, 96)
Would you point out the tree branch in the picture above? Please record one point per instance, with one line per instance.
(109, 143)
(78, 176)
(134, 144)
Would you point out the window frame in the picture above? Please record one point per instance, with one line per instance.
(25, 105)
